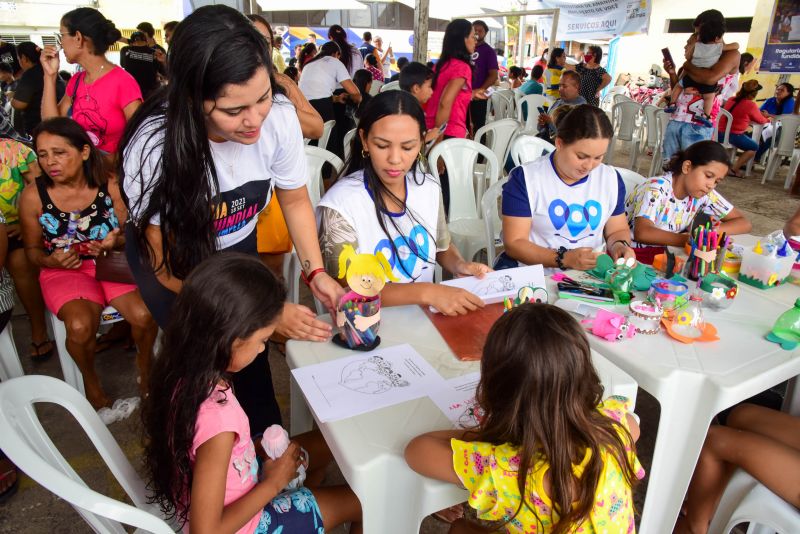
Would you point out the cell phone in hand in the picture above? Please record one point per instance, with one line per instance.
(667, 56)
(430, 143)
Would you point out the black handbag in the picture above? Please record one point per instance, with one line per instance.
(112, 266)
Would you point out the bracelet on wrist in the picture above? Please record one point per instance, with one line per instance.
(623, 241)
(308, 278)
(560, 258)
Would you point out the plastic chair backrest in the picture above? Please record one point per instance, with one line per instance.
(728, 123)
(391, 86)
(621, 97)
(497, 135)
(651, 122)
(27, 444)
(527, 148)
(531, 103)
(630, 178)
(348, 143)
(491, 216)
(460, 156)
(662, 119)
(375, 88)
(623, 119)
(10, 366)
(789, 125)
(501, 104)
(327, 128)
(316, 158)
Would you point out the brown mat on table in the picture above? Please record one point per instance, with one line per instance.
(466, 334)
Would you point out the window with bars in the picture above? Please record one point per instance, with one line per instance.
(15, 39)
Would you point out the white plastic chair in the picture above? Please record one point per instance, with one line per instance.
(793, 164)
(327, 128)
(608, 99)
(630, 178)
(784, 147)
(10, 366)
(624, 120)
(746, 500)
(527, 148)
(460, 156)
(621, 97)
(316, 158)
(391, 86)
(72, 375)
(656, 164)
(531, 103)
(500, 106)
(348, 142)
(650, 132)
(375, 88)
(491, 219)
(27, 444)
(755, 136)
(497, 136)
(726, 135)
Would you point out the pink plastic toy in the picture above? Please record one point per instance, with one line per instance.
(610, 326)
(275, 442)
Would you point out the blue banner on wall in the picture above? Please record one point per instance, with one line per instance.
(782, 49)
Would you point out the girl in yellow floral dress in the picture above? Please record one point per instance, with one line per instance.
(549, 455)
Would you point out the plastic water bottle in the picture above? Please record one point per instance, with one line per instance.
(275, 442)
(786, 331)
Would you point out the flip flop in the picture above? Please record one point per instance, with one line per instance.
(12, 489)
(39, 357)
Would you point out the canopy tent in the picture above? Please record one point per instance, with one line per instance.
(447, 10)
(308, 5)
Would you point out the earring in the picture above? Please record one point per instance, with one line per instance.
(364, 154)
(420, 157)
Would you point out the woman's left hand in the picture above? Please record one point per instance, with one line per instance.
(299, 322)
(109, 242)
(620, 250)
(469, 268)
(327, 290)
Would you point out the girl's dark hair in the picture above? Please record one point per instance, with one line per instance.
(338, 35)
(372, 60)
(362, 78)
(291, 72)
(327, 50)
(554, 55)
(30, 51)
(584, 122)
(597, 53)
(94, 168)
(782, 103)
(745, 58)
(515, 71)
(213, 47)
(537, 72)
(383, 105)
(92, 24)
(700, 153)
(253, 17)
(228, 297)
(540, 392)
(307, 54)
(453, 46)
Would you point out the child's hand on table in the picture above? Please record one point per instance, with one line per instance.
(453, 300)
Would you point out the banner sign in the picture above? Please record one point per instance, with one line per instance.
(598, 19)
(782, 49)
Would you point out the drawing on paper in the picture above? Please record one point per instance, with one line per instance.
(470, 413)
(497, 285)
(371, 376)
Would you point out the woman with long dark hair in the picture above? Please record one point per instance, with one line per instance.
(104, 96)
(552, 76)
(385, 202)
(322, 76)
(452, 87)
(350, 56)
(200, 163)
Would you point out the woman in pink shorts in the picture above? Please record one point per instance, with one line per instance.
(69, 217)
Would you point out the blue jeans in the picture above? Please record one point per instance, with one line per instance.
(681, 135)
(740, 141)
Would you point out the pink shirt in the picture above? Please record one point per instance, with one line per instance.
(457, 124)
(220, 413)
(98, 106)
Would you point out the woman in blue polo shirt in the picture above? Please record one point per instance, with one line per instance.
(565, 209)
(780, 104)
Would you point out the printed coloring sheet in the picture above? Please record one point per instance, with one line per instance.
(457, 400)
(362, 383)
(497, 285)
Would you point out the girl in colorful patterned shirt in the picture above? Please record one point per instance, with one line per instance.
(200, 459)
(661, 210)
(549, 455)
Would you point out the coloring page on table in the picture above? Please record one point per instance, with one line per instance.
(362, 383)
(457, 401)
(497, 285)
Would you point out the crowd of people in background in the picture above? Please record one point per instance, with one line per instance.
(144, 161)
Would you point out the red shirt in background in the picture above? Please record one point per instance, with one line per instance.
(744, 112)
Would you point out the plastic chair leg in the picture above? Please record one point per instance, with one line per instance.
(772, 167)
(72, 375)
(792, 169)
(10, 366)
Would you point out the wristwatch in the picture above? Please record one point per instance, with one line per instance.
(560, 258)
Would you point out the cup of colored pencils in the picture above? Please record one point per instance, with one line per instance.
(707, 252)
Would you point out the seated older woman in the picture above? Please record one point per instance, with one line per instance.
(744, 111)
(69, 217)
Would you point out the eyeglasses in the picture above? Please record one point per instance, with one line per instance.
(59, 36)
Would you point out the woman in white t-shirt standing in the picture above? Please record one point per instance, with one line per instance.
(322, 76)
(199, 167)
(386, 203)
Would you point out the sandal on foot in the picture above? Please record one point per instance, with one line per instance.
(37, 356)
(448, 515)
(12, 489)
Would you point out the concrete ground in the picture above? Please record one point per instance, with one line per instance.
(35, 510)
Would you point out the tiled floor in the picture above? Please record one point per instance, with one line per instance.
(34, 510)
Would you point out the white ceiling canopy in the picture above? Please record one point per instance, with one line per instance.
(447, 10)
(309, 5)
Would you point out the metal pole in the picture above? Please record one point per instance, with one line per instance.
(421, 30)
(521, 42)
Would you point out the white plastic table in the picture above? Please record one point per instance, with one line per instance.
(369, 447)
(695, 382)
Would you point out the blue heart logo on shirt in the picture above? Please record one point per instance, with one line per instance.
(576, 216)
(410, 249)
